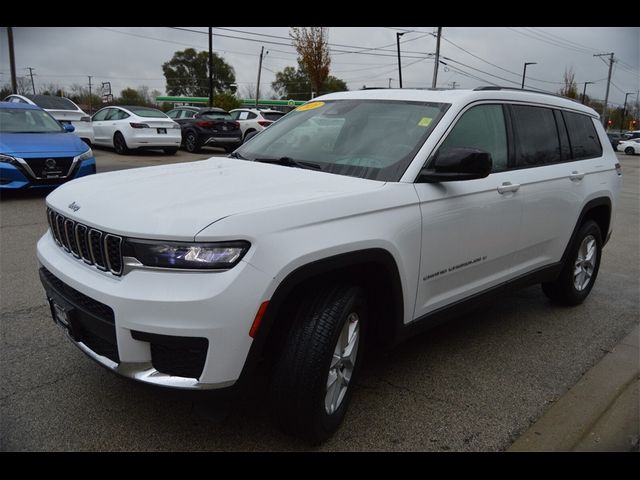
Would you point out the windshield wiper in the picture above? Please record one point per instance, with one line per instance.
(289, 162)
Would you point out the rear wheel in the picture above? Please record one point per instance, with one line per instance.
(581, 269)
(170, 150)
(191, 143)
(314, 377)
(629, 151)
(246, 134)
(120, 144)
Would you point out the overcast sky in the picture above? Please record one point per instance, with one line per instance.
(131, 57)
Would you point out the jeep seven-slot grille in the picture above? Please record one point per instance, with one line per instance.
(93, 246)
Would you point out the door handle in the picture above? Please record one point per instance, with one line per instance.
(508, 187)
(576, 176)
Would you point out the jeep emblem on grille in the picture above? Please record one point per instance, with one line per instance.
(74, 206)
(50, 163)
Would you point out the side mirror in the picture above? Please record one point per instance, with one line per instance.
(454, 164)
(68, 127)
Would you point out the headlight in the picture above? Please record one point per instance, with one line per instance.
(85, 155)
(8, 159)
(207, 256)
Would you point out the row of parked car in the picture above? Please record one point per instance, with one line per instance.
(628, 143)
(46, 140)
(127, 128)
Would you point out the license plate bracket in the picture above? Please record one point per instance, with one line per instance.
(62, 316)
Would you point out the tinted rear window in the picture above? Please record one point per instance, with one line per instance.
(273, 116)
(148, 112)
(583, 136)
(536, 136)
(52, 103)
(213, 115)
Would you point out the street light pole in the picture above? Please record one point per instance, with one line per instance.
(524, 73)
(584, 91)
(624, 109)
(398, 35)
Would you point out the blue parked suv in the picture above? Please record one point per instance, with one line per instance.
(36, 151)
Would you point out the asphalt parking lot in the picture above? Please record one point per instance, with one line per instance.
(473, 384)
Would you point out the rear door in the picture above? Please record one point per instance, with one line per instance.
(552, 172)
(470, 229)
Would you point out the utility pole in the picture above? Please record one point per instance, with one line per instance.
(33, 85)
(624, 110)
(398, 35)
(211, 66)
(584, 91)
(90, 106)
(435, 66)
(12, 61)
(259, 72)
(606, 95)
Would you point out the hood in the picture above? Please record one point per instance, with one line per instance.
(179, 200)
(19, 144)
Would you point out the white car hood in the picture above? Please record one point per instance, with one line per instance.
(177, 201)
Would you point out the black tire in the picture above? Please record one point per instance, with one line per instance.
(120, 144)
(564, 290)
(171, 150)
(191, 142)
(629, 151)
(299, 387)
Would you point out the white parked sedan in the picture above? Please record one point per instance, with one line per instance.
(630, 147)
(63, 110)
(129, 127)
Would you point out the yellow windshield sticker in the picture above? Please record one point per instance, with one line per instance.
(425, 122)
(309, 106)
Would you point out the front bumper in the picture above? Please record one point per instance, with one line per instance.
(13, 178)
(216, 306)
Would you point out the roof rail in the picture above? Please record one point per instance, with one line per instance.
(485, 88)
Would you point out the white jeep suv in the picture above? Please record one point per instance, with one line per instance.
(357, 220)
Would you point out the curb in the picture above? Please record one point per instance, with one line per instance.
(599, 413)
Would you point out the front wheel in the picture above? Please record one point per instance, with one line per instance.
(581, 269)
(316, 372)
(191, 143)
(629, 151)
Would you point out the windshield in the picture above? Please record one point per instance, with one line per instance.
(147, 112)
(375, 139)
(216, 115)
(18, 120)
(52, 103)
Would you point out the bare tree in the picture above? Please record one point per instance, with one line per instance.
(50, 89)
(312, 44)
(24, 86)
(570, 88)
(248, 90)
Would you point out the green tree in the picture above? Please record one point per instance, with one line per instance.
(5, 90)
(294, 84)
(187, 73)
(130, 96)
(312, 46)
(226, 101)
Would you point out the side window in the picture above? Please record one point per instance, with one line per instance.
(188, 114)
(482, 127)
(112, 114)
(101, 115)
(234, 115)
(251, 115)
(121, 115)
(243, 115)
(583, 136)
(173, 113)
(536, 136)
